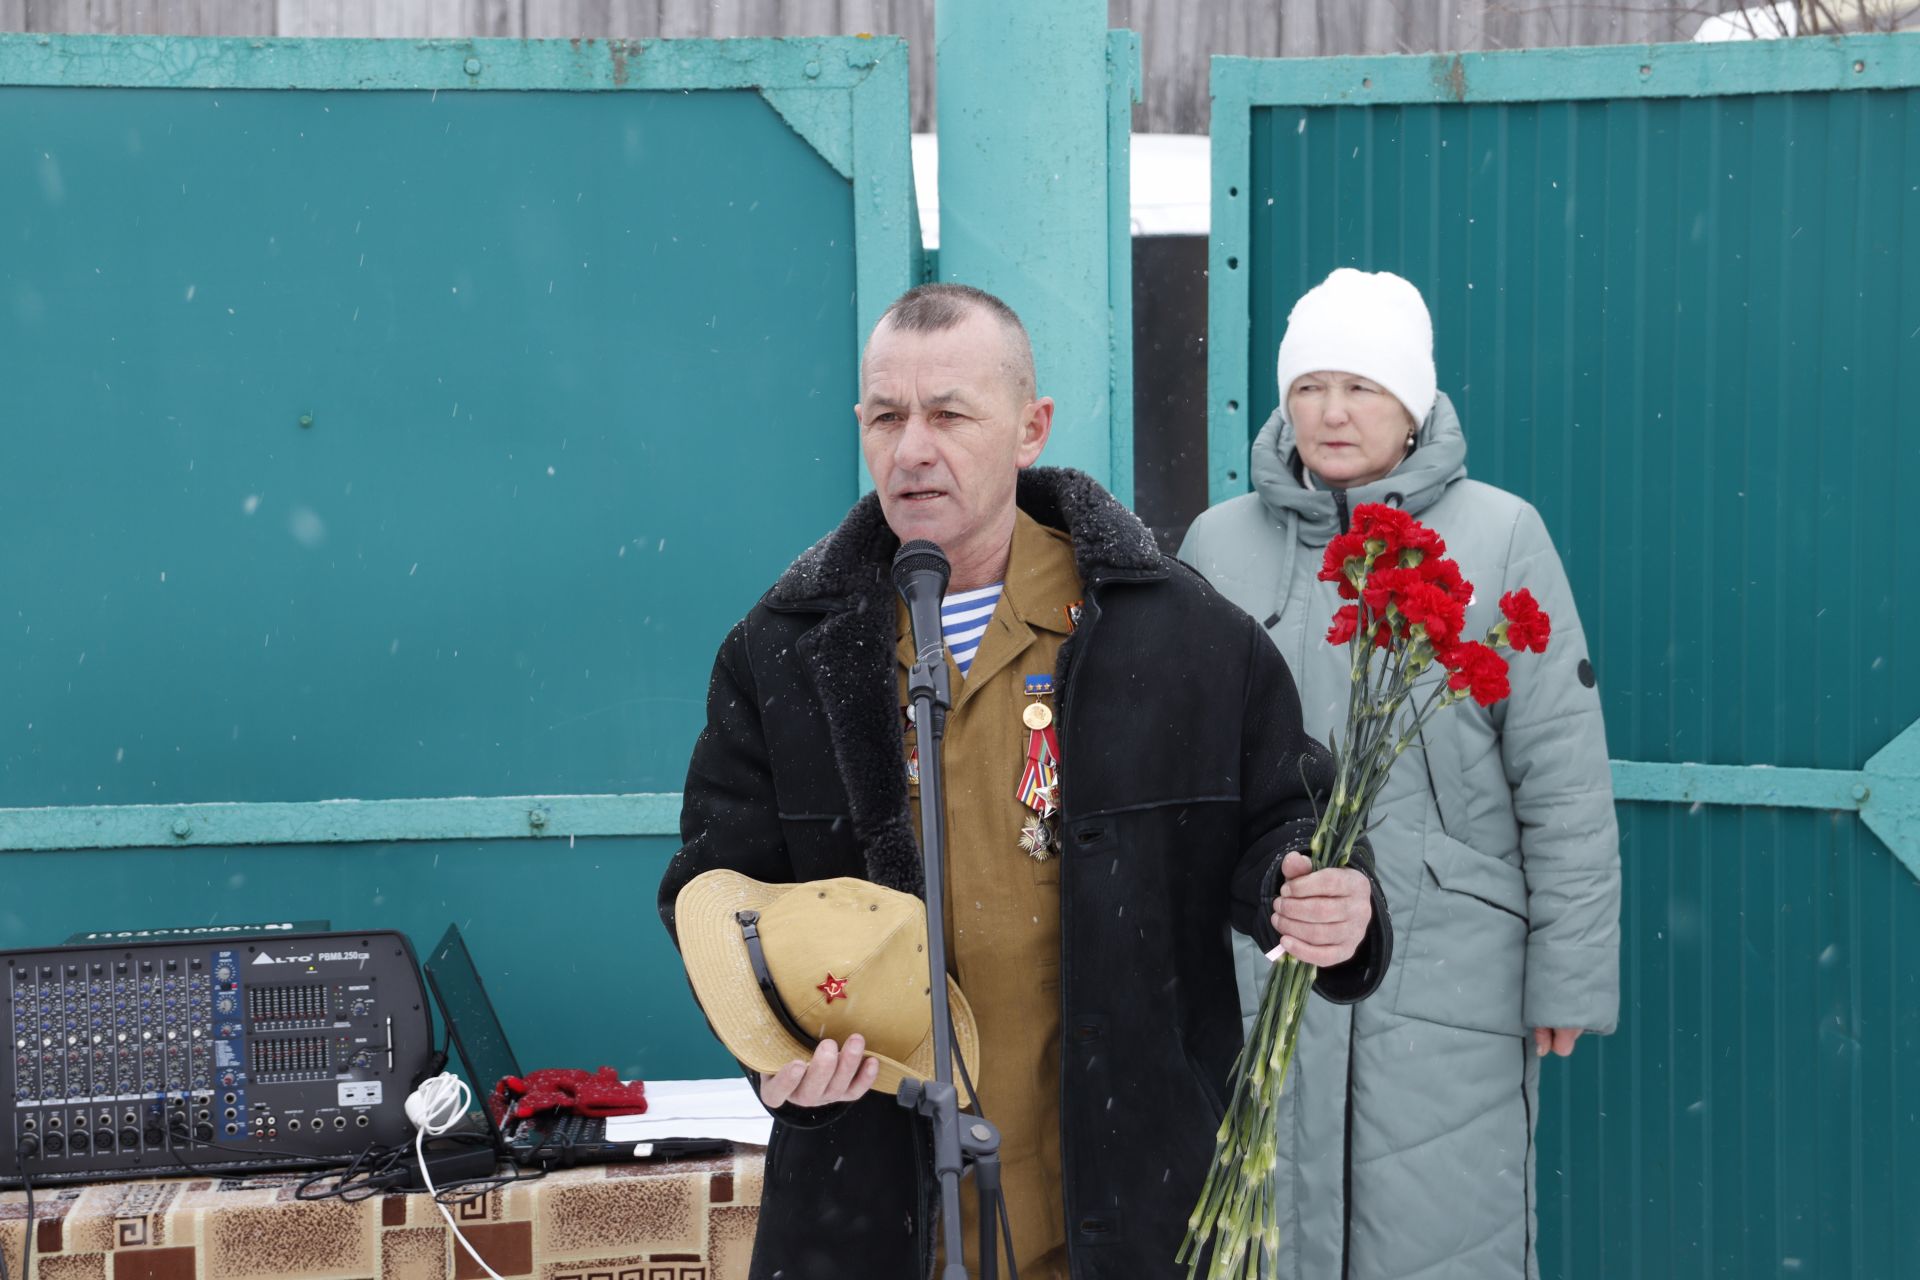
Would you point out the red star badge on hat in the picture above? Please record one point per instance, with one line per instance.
(833, 988)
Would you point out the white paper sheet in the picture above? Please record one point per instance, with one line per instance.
(696, 1109)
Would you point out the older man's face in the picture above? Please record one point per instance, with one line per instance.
(945, 426)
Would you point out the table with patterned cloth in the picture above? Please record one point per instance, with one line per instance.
(672, 1220)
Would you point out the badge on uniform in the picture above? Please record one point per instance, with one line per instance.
(1073, 612)
(1039, 788)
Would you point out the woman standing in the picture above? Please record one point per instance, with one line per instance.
(1496, 843)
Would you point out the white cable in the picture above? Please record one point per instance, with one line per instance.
(434, 1108)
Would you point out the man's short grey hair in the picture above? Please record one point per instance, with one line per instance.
(933, 308)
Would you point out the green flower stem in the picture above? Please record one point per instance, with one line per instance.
(1235, 1227)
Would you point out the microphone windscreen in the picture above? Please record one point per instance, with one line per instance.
(920, 556)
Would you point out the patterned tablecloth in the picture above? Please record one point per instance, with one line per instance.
(683, 1220)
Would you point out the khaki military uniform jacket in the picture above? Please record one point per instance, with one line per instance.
(1003, 906)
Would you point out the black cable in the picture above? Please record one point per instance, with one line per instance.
(26, 1243)
(467, 1190)
(980, 1111)
(266, 1156)
(351, 1183)
(26, 1248)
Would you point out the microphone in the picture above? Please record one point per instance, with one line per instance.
(920, 572)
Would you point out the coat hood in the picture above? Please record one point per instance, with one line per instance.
(1439, 459)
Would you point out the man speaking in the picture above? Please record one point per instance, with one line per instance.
(1127, 778)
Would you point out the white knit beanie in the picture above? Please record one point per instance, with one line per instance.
(1374, 324)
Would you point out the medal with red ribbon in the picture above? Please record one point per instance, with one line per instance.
(1039, 788)
(1040, 780)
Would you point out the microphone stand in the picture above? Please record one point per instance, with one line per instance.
(976, 1144)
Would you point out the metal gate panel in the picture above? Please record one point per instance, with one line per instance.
(393, 429)
(1677, 298)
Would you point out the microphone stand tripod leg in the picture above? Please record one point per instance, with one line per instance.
(980, 1143)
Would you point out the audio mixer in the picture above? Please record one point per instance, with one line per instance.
(275, 1050)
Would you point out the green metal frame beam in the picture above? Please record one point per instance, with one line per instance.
(1030, 171)
(1885, 793)
(160, 826)
(1123, 90)
(216, 62)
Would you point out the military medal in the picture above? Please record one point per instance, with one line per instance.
(913, 747)
(1039, 788)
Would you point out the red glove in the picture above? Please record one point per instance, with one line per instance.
(606, 1094)
(577, 1092)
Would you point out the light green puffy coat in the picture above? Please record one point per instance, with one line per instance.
(1406, 1138)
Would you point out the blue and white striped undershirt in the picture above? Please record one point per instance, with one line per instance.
(963, 621)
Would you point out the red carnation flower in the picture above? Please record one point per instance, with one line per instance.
(1428, 606)
(1386, 586)
(1445, 574)
(1378, 520)
(1474, 668)
(1420, 545)
(1527, 627)
(1339, 566)
(1346, 621)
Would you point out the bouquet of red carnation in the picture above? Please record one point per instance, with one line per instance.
(1407, 605)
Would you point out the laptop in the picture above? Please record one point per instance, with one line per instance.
(551, 1139)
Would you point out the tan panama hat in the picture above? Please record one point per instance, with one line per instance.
(841, 956)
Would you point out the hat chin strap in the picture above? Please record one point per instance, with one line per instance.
(750, 930)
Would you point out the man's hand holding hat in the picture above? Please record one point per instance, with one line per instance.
(1321, 916)
(836, 1074)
